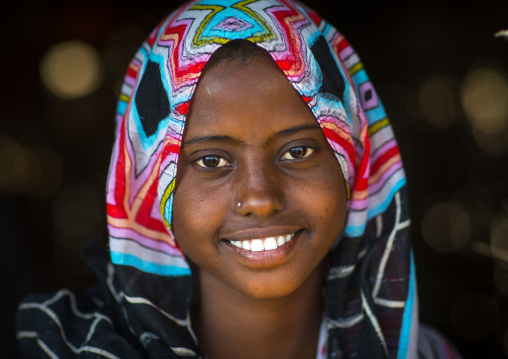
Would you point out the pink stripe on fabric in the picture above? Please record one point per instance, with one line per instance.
(131, 81)
(344, 54)
(124, 233)
(374, 187)
(381, 150)
(359, 204)
(155, 213)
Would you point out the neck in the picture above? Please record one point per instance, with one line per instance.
(231, 325)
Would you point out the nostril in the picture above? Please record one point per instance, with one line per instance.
(259, 203)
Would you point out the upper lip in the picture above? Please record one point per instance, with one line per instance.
(259, 233)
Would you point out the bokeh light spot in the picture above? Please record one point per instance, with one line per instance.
(9, 149)
(495, 143)
(35, 169)
(72, 69)
(499, 239)
(446, 227)
(20, 167)
(502, 33)
(484, 96)
(437, 101)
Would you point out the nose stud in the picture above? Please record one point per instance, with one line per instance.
(239, 204)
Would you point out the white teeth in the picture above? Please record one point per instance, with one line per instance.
(281, 240)
(266, 244)
(270, 243)
(257, 245)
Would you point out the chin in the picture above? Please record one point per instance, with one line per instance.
(272, 284)
(262, 291)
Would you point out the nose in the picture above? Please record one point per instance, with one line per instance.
(259, 193)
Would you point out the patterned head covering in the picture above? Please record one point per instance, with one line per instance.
(370, 300)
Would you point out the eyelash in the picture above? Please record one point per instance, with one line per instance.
(307, 152)
(222, 162)
(286, 156)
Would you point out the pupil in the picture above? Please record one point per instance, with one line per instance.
(298, 152)
(211, 161)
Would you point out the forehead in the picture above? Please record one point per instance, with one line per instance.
(231, 95)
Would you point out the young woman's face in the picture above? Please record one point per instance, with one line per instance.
(260, 197)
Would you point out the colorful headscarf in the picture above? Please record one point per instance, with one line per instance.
(326, 72)
(370, 299)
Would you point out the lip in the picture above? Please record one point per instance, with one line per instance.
(266, 258)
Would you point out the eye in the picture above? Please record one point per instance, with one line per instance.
(211, 162)
(297, 153)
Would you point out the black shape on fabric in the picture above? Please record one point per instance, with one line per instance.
(152, 99)
(333, 83)
(368, 95)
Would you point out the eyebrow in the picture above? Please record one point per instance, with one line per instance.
(235, 141)
(291, 131)
(208, 139)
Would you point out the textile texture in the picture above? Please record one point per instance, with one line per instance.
(141, 309)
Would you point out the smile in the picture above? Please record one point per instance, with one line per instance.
(263, 244)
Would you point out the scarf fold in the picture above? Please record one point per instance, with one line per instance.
(370, 298)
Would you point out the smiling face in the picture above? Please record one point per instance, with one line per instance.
(260, 197)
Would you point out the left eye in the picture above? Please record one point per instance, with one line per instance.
(211, 162)
(297, 153)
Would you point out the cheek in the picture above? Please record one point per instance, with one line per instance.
(197, 216)
(324, 200)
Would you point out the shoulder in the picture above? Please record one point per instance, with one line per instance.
(66, 324)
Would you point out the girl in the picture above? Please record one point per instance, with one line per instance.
(256, 203)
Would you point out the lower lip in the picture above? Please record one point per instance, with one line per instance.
(266, 259)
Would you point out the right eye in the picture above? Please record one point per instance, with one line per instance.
(211, 162)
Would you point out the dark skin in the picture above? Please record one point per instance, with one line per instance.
(251, 139)
(231, 325)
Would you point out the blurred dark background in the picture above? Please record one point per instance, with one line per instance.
(438, 66)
